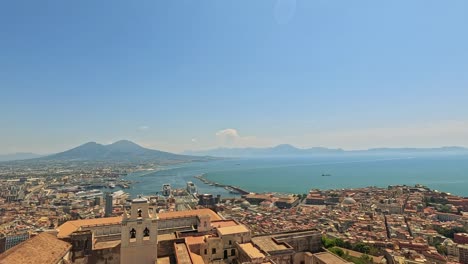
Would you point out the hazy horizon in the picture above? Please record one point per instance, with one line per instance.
(231, 147)
(177, 76)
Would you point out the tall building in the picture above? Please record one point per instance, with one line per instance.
(166, 190)
(109, 205)
(463, 251)
(460, 238)
(139, 238)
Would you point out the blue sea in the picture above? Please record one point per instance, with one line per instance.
(300, 174)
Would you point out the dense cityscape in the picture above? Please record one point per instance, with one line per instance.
(397, 224)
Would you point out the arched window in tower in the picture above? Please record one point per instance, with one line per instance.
(139, 212)
(146, 232)
(133, 233)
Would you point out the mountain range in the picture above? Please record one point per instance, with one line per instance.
(285, 150)
(19, 156)
(120, 151)
(127, 151)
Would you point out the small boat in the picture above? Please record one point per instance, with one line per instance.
(326, 175)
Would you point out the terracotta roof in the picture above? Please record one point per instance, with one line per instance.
(229, 230)
(182, 253)
(188, 213)
(223, 223)
(71, 226)
(194, 240)
(267, 244)
(328, 258)
(252, 251)
(43, 248)
(196, 259)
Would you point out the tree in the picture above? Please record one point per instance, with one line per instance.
(449, 232)
(339, 242)
(328, 242)
(441, 249)
(337, 251)
(361, 247)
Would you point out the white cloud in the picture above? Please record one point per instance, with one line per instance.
(228, 136)
(194, 140)
(231, 137)
(143, 128)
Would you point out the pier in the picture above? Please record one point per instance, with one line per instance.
(233, 189)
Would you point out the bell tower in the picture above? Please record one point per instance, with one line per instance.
(139, 234)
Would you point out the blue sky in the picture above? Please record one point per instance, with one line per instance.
(177, 75)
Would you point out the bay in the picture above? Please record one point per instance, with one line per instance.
(448, 173)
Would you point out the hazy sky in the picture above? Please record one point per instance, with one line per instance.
(177, 75)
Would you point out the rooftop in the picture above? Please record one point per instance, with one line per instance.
(182, 253)
(267, 244)
(71, 226)
(251, 250)
(43, 248)
(329, 258)
(229, 230)
(223, 223)
(188, 213)
(139, 200)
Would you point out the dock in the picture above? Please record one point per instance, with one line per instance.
(226, 186)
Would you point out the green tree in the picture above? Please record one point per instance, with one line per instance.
(361, 247)
(328, 242)
(449, 232)
(337, 251)
(339, 242)
(441, 249)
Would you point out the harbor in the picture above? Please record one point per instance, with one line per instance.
(230, 188)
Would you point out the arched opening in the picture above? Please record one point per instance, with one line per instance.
(133, 233)
(139, 212)
(225, 254)
(146, 232)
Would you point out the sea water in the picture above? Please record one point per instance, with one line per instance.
(448, 173)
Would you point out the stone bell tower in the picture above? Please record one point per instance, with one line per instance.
(139, 234)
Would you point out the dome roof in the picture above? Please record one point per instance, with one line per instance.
(349, 201)
(245, 204)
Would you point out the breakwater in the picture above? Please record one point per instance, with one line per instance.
(232, 189)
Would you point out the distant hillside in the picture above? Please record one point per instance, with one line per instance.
(123, 150)
(286, 150)
(18, 156)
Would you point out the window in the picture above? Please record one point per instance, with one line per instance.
(206, 251)
(146, 232)
(213, 251)
(133, 233)
(230, 242)
(233, 252)
(139, 212)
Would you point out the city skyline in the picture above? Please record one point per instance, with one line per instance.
(200, 75)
